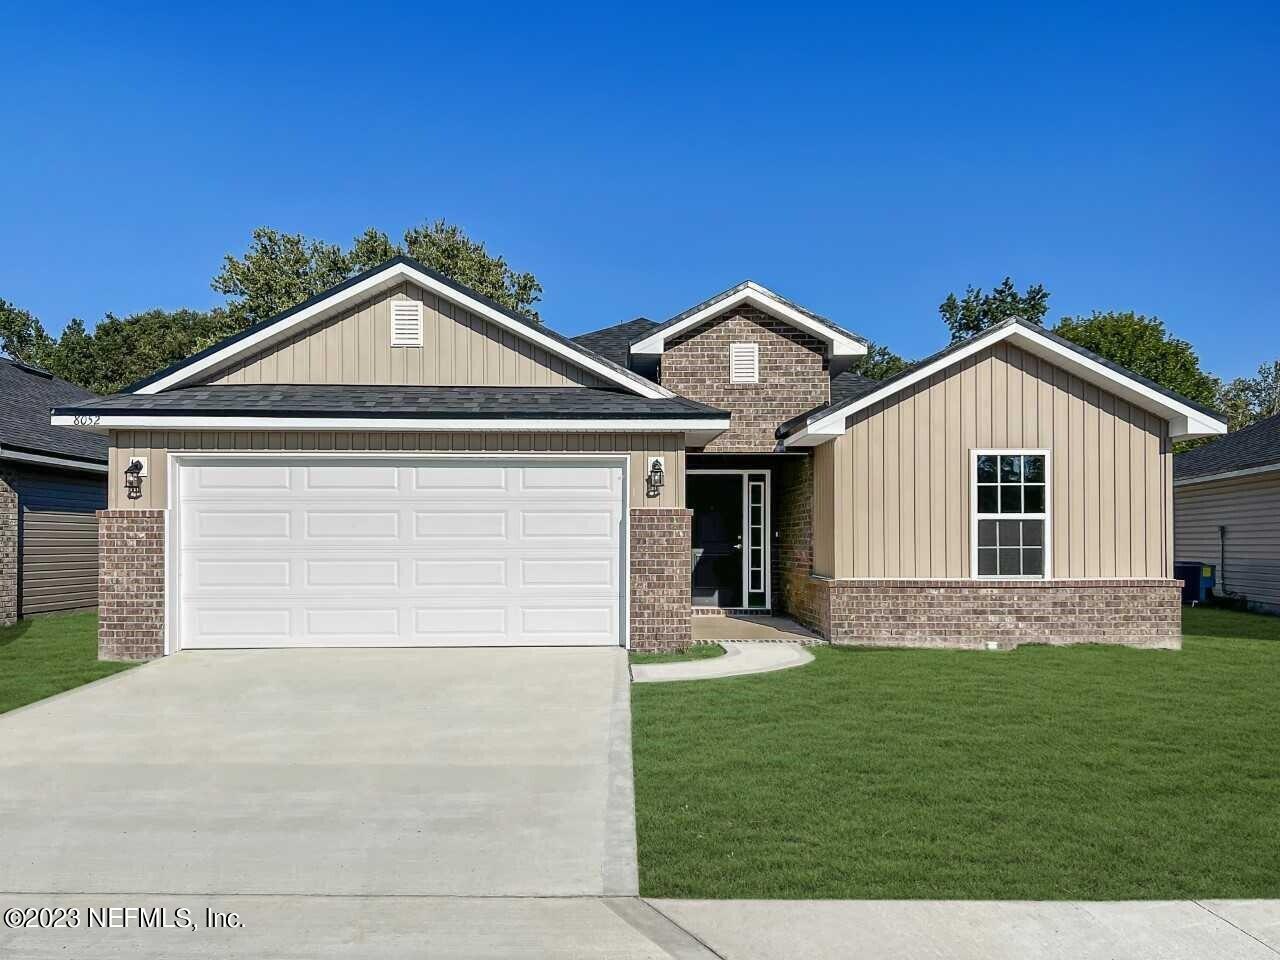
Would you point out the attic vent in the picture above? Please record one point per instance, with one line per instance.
(744, 363)
(406, 323)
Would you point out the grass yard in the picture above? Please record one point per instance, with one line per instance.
(46, 655)
(700, 651)
(1046, 773)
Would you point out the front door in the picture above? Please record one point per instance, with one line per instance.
(716, 502)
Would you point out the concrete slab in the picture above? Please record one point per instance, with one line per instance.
(338, 772)
(1260, 918)
(739, 660)
(352, 928)
(961, 930)
(712, 628)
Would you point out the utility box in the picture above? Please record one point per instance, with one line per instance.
(1198, 580)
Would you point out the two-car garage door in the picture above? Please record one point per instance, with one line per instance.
(283, 551)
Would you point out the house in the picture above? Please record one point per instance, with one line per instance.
(400, 461)
(52, 482)
(1226, 511)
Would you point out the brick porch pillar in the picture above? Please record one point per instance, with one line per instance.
(661, 593)
(130, 584)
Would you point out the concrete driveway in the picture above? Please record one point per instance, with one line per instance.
(462, 772)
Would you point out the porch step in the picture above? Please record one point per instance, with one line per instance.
(730, 612)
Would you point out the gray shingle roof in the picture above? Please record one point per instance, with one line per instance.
(795, 423)
(614, 343)
(725, 294)
(1254, 446)
(26, 397)
(849, 386)
(427, 403)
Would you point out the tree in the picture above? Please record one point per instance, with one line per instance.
(977, 311)
(280, 270)
(1143, 345)
(878, 363)
(22, 336)
(1246, 400)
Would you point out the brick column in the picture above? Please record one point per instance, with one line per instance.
(130, 584)
(8, 553)
(661, 585)
(793, 556)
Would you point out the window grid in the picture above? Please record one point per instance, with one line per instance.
(1010, 528)
(755, 537)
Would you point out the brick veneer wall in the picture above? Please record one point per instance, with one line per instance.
(661, 598)
(793, 375)
(793, 546)
(130, 584)
(8, 552)
(968, 614)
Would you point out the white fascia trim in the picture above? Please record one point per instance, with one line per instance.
(136, 421)
(386, 278)
(64, 462)
(757, 296)
(1184, 422)
(1229, 475)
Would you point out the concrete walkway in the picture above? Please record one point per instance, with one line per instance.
(715, 628)
(739, 660)
(977, 930)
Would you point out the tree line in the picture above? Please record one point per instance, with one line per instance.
(280, 270)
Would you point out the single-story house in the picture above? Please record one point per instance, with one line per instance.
(53, 480)
(400, 461)
(1226, 511)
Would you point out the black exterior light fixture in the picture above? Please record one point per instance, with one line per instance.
(656, 478)
(133, 479)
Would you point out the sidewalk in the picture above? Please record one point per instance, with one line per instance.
(505, 928)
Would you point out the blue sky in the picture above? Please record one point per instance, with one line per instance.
(863, 162)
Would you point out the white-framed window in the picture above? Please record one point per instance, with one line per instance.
(1010, 504)
(744, 363)
(406, 323)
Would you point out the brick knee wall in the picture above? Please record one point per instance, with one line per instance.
(130, 584)
(970, 614)
(661, 596)
(8, 553)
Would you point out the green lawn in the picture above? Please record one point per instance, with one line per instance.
(46, 655)
(700, 651)
(1046, 773)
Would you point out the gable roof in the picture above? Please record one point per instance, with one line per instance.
(841, 342)
(25, 431)
(1186, 417)
(1253, 449)
(614, 343)
(367, 284)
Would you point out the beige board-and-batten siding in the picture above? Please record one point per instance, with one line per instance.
(1249, 507)
(458, 349)
(155, 446)
(892, 494)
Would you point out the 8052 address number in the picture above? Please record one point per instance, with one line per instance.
(86, 421)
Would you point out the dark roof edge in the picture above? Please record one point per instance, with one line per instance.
(360, 278)
(43, 452)
(277, 413)
(789, 427)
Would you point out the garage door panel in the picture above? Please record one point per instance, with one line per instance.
(399, 553)
(461, 478)
(460, 524)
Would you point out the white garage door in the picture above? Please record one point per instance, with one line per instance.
(349, 552)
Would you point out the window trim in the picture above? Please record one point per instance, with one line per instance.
(974, 515)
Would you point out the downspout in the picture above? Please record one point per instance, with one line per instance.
(1222, 560)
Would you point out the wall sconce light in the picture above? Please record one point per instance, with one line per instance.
(133, 475)
(655, 478)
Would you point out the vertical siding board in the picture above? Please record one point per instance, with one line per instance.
(860, 518)
(905, 491)
(953, 477)
(1107, 485)
(891, 548)
(935, 499)
(1092, 483)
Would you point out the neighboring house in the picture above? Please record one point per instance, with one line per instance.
(1226, 511)
(52, 482)
(400, 461)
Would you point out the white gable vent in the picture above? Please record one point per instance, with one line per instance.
(744, 363)
(406, 323)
